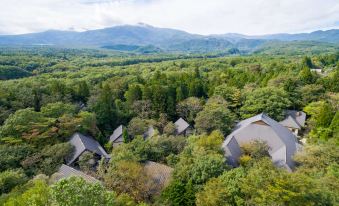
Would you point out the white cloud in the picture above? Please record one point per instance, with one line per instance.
(195, 16)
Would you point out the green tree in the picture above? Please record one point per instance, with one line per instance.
(38, 194)
(196, 89)
(215, 116)
(232, 95)
(82, 91)
(10, 127)
(307, 61)
(324, 118)
(335, 125)
(104, 108)
(137, 126)
(54, 156)
(55, 110)
(189, 108)
(178, 194)
(12, 155)
(76, 191)
(272, 101)
(125, 135)
(133, 94)
(223, 190)
(130, 178)
(86, 161)
(306, 76)
(181, 93)
(10, 179)
(311, 93)
(170, 128)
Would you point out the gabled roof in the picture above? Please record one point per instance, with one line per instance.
(290, 122)
(281, 140)
(67, 171)
(294, 119)
(181, 125)
(160, 173)
(82, 143)
(149, 133)
(116, 134)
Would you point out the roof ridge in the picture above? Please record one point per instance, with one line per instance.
(294, 120)
(116, 130)
(81, 139)
(79, 171)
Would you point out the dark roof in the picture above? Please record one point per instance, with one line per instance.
(181, 125)
(67, 171)
(281, 140)
(294, 119)
(82, 143)
(116, 134)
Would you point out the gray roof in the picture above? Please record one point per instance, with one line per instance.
(282, 142)
(181, 125)
(83, 143)
(294, 119)
(67, 171)
(149, 133)
(116, 134)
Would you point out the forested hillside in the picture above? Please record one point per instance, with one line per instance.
(145, 39)
(47, 94)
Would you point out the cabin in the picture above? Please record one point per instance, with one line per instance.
(281, 141)
(182, 127)
(117, 137)
(294, 121)
(66, 171)
(81, 144)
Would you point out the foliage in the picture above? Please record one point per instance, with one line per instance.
(86, 161)
(138, 126)
(178, 193)
(41, 127)
(224, 190)
(129, 177)
(38, 194)
(316, 159)
(169, 129)
(75, 191)
(11, 178)
(232, 95)
(320, 121)
(47, 94)
(272, 101)
(12, 155)
(189, 108)
(200, 161)
(215, 116)
(256, 149)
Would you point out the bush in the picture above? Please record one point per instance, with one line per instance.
(10, 179)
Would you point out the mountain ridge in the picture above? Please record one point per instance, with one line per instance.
(165, 39)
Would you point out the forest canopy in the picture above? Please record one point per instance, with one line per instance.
(48, 94)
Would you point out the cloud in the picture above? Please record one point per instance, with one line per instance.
(195, 16)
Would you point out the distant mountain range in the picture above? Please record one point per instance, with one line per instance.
(148, 39)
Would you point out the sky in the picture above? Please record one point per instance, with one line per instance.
(252, 17)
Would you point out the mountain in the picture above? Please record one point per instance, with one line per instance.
(330, 36)
(129, 35)
(148, 39)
